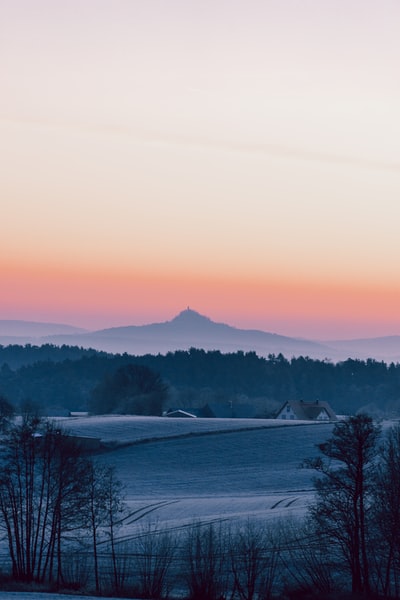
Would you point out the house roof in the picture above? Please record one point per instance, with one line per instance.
(309, 411)
(178, 412)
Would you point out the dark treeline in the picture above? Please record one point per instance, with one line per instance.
(16, 356)
(66, 377)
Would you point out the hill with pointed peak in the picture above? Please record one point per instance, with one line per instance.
(190, 329)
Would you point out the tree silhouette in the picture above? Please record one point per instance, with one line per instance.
(345, 493)
(41, 496)
(132, 389)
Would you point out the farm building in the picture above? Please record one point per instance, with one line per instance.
(217, 410)
(179, 413)
(306, 411)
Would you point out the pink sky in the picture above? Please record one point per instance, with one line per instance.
(241, 158)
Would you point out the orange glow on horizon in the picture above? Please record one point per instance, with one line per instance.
(96, 300)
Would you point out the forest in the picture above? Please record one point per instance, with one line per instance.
(71, 379)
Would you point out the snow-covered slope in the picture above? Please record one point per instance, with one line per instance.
(177, 470)
(122, 429)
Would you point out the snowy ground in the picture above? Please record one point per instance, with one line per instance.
(124, 429)
(176, 471)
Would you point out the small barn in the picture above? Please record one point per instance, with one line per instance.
(180, 414)
(306, 411)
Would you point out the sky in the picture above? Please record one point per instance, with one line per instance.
(241, 157)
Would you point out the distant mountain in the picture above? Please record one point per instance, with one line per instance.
(190, 329)
(24, 332)
(385, 348)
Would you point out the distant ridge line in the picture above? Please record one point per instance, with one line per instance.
(190, 329)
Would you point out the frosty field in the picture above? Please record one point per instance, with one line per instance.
(175, 471)
(179, 471)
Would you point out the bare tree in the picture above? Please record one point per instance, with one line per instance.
(253, 550)
(114, 510)
(205, 551)
(42, 475)
(65, 472)
(309, 561)
(153, 553)
(344, 493)
(104, 504)
(386, 515)
(96, 503)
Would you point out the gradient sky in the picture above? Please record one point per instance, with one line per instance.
(241, 157)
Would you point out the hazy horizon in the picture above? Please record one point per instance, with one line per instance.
(116, 323)
(239, 157)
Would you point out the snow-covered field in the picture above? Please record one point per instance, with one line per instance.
(175, 471)
(128, 429)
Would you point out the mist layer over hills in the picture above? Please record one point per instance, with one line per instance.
(189, 329)
(32, 329)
